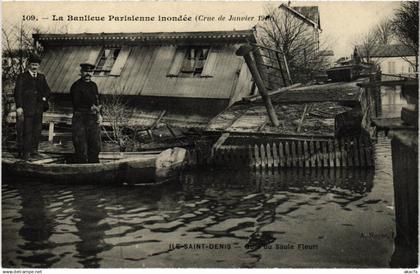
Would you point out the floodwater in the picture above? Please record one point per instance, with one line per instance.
(211, 218)
(392, 101)
(206, 218)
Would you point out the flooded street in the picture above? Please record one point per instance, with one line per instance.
(211, 218)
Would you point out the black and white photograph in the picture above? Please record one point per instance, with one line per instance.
(211, 135)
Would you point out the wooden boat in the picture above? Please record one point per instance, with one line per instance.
(118, 167)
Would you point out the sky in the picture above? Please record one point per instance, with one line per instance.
(342, 22)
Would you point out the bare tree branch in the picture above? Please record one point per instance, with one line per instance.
(294, 37)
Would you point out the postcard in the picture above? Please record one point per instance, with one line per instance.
(251, 134)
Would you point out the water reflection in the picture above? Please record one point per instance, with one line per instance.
(37, 228)
(392, 101)
(89, 214)
(129, 226)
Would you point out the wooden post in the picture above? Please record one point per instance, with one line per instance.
(245, 51)
(270, 160)
(281, 155)
(312, 153)
(275, 156)
(51, 132)
(404, 146)
(250, 156)
(287, 154)
(307, 154)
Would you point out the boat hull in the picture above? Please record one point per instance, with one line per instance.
(126, 168)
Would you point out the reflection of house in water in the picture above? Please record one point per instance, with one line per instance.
(392, 101)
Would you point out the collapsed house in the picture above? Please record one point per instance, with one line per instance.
(189, 74)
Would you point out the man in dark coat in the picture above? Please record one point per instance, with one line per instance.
(31, 95)
(86, 117)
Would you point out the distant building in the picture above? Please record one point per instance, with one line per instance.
(310, 16)
(329, 57)
(191, 72)
(392, 59)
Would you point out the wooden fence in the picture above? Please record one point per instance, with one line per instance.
(346, 152)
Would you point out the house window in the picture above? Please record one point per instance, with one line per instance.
(194, 60)
(391, 67)
(107, 58)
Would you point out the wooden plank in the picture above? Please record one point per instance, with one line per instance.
(306, 154)
(253, 98)
(331, 153)
(282, 155)
(51, 132)
(288, 157)
(275, 156)
(318, 152)
(45, 161)
(269, 156)
(300, 153)
(251, 158)
(337, 153)
(294, 156)
(312, 153)
(257, 156)
(245, 51)
(386, 83)
(156, 122)
(263, 156)
(219, 142)
(302, 118)
(343, 152)
(325, 154)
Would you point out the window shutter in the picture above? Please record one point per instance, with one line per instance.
(177, 62)
(93, 55)
(209, 68)
(120, 62)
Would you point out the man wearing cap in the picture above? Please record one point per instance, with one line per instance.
(31, 95)
(86, 117)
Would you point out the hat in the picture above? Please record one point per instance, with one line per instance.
(34, 59)
(87, 66)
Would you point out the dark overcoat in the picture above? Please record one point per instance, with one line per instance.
(29, 92)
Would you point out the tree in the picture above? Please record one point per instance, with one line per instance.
(17, 45)
(384, 32)
(367, 44)
(381, 34)
(118, 113)
(297, 39)
(406, 28)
